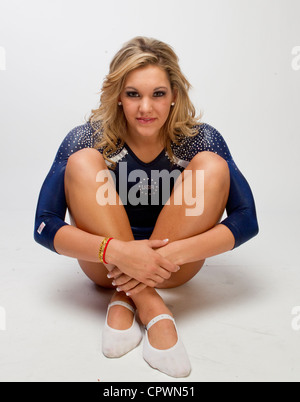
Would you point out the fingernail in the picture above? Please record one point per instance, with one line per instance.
(178, 268)
(166, 240)
(128, 294)
(119, 290)
(114, 283)
(109, 276)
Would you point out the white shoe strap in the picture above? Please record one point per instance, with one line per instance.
(123, 304)
(159, 318)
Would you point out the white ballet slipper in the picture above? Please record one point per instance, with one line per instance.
(174, 361)
(116, 343)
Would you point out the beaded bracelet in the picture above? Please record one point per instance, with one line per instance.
(103, 249)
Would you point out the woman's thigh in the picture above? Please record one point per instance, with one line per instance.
(97, 272)
(186, 273)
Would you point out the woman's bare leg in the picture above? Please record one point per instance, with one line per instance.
(108, 221)
(173, 223)
(149, 305)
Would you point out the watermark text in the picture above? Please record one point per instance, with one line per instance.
(296, 58)
(2, 59)
(161, 188)
(2, 319)
(296, 319)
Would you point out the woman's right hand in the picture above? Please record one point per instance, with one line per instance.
(140, 261)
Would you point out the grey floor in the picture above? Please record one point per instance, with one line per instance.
(235, 317)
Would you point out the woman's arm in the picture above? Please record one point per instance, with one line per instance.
(215, 241)
(147, 266)
(241, 211)
(75, 243)
(53, 232)
(52, 206)
(239, 227)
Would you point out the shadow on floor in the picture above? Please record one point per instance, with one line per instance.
(213, 288)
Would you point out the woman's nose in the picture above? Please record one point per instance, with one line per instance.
(145, 105)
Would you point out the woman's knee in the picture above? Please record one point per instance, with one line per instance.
(187, 273)
(216, 170)
(97, 273)
(83, 163)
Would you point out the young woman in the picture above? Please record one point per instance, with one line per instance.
(146, 185)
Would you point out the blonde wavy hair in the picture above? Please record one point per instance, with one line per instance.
(109, 120)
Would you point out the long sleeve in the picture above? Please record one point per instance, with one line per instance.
(52, 206)
(51, 209)
(241, 211)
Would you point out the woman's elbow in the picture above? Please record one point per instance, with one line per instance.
(252, 228)
(247, 231)
(255, 228)
(254, 222)
(38, 228)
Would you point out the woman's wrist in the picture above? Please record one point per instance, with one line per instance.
(112, 252)
(174, 252)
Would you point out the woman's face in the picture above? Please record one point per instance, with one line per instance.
(146, 100)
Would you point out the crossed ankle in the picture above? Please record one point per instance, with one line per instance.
(119, 317)
(121, 296)
(148, 312)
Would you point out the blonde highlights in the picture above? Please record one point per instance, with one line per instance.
(109, 120)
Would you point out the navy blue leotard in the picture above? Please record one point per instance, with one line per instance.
(51, 209)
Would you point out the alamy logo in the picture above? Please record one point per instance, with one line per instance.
(296, 59)
(136, 188)
(296, 319)
(2, 59)
(2, 319)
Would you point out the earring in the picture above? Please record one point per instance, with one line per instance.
(120, 103)
(173, 104)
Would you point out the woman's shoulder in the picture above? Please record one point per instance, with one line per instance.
(208, 132)
(80, 137)
(83, 133)
(206, 138)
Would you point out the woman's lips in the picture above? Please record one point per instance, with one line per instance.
(145, 121)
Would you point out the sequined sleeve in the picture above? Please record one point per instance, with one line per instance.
(241, 211)
(52, 206)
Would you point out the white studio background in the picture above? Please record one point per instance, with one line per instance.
(241, 56)
(237, 55)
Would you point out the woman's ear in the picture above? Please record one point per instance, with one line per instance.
(175, 93)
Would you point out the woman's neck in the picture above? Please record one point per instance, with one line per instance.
(139, 142)
(146, 149)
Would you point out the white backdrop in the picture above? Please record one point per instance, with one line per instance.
(236, 53)
(241, 56)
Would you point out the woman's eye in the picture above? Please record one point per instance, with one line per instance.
(132, 94)
(159, 94)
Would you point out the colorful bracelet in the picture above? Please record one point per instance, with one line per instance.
(103, 248)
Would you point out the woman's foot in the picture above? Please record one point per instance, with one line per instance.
(162, 335)
(162, 350)
(121, 332)
(120, 317)
(173, 361)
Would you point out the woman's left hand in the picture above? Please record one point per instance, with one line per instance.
(126, 284)
(131, 286)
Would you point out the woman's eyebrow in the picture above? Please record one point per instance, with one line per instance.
(155, 89)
